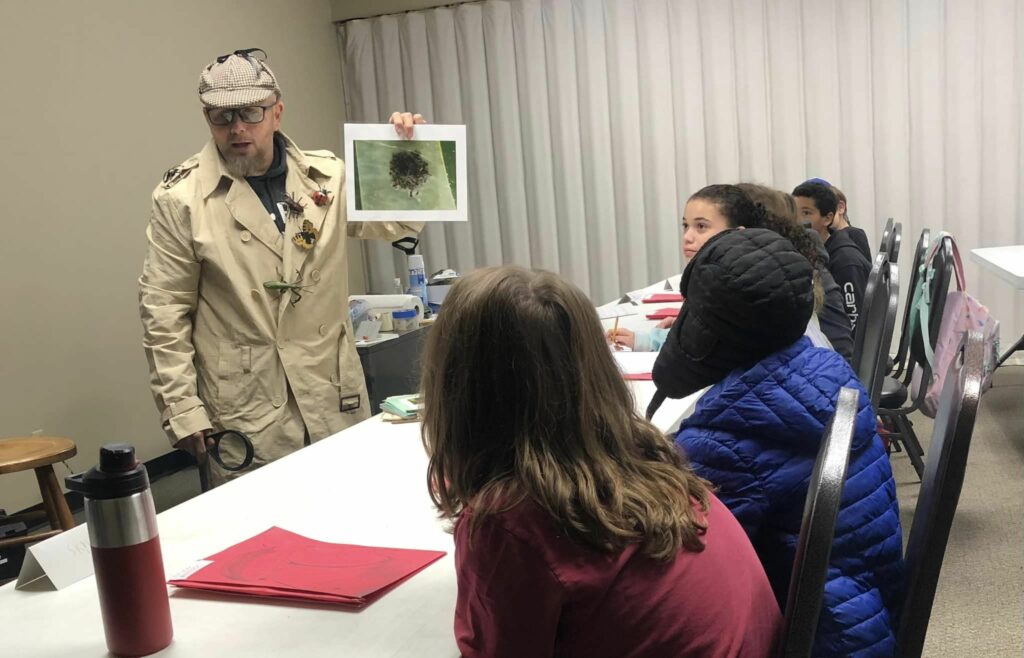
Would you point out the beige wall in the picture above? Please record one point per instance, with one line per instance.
(99, 100)
(343, 10)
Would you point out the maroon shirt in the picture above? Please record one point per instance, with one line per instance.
(527, 591)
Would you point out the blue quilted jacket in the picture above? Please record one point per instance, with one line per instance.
(755, 436)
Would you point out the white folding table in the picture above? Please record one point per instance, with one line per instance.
(1007, 263)
(366, 485)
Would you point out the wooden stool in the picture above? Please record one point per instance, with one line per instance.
(38, 453)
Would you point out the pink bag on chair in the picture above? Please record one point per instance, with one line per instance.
(962, 313)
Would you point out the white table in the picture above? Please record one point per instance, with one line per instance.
(1008, 264)
(365, 485)
(671, 412)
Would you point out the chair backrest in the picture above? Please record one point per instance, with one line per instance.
(943, 264)
(940, 491)
(920, 252)
(895, 238)
(818, 529)
(883, 246)
(873, 335)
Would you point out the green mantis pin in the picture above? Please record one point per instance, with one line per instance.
(294, 287)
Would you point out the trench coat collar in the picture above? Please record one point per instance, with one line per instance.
(246, 208)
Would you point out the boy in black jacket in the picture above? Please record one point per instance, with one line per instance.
(841, 222)
(817, 205)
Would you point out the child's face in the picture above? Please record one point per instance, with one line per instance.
(701, 220)
(807, 211)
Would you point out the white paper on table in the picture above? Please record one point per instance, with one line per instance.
(616, 311)
(60, 561)
(635, 363)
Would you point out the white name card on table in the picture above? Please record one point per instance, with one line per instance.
(58, 561)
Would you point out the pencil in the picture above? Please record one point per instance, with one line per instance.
(615, 333)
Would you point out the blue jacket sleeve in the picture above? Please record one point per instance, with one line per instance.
(733, 475)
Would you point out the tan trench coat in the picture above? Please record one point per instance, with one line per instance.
(223, 351)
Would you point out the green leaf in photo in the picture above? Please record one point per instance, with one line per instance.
(405, 175)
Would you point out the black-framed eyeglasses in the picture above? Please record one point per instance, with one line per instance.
(225, 116)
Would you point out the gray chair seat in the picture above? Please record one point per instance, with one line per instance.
(894, 394)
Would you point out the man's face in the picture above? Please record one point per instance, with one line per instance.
(807, 211)
(248, 148)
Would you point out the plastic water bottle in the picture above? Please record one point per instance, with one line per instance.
(418, 278)
(125, 552)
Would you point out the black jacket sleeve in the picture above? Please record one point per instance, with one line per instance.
(835, 323)
(852, 280)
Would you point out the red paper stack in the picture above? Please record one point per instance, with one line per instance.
(284, 565)
(663, 313)
(662, 298)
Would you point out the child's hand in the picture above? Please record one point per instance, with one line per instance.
(623, 337)
(666, 323)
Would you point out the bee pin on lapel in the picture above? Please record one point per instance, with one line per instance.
(307, 237)
(322, 197)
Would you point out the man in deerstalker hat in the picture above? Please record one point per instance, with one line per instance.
(225, 351)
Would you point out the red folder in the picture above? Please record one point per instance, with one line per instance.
(282, 564)
(662, 298)
(663, 313)
(639, 376)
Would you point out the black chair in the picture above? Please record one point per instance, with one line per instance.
(891, 238)
(900, 362)
(884, 244)
(873, 336)
(895, 238)
(940, 491)
(896, 392)
(818, 529)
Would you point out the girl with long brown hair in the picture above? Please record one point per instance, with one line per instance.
(579, 529)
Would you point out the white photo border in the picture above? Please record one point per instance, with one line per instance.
(424, 132)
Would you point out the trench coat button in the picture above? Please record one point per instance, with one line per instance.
(315, 275)
(255, 293)
(323, 330)
(246, 236)
(277, 402)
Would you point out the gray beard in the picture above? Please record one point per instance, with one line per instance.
(243, 166)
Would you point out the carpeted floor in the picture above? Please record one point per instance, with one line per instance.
(979, 605)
